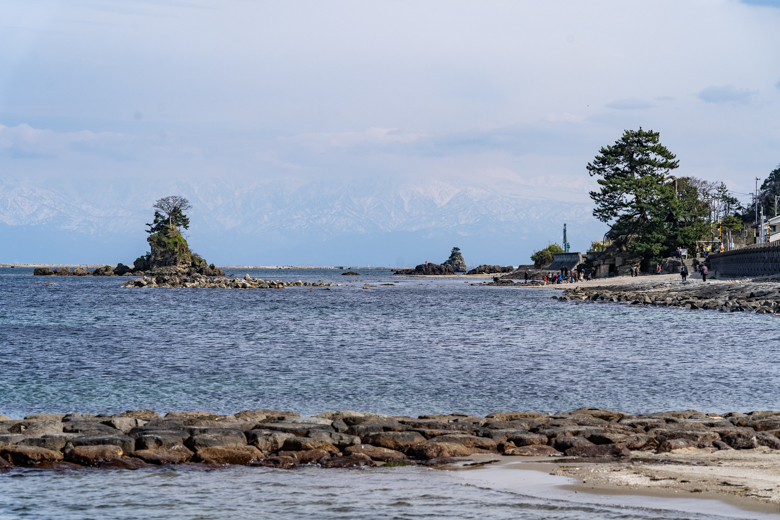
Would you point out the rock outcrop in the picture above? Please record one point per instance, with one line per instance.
(428, 269)
(491, 269)
(171, 255)
(756, 296)
(457, 262)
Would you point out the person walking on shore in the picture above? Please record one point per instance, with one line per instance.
(526, 277)
(544, 280)
(684, 273)
(704, 272)
(657, 268)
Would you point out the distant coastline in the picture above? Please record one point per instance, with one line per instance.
(334, 267)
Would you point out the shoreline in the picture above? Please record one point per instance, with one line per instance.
(540, 478)
(732, 456)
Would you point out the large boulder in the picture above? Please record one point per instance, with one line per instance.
(146, 415)
(438, 450)
(376, 453)
(159, 440)
(123, 441)
(746, 441)
(170, 455)
(356, 460)
(80, 271)
(50, 442)
(29, 455)
(106, 270)
(399, 441)
(536, 450)
(62, 271)
(235, 455)
(306, 443)
(121, 269)
(42, 271)
(223, 439)
(267, 441)
(93, 455)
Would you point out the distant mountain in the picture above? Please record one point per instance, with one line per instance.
(291, 222)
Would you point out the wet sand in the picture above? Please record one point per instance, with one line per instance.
(730, 484)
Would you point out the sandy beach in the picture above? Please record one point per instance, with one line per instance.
(739, 484)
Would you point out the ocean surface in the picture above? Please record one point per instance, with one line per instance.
(403, 346)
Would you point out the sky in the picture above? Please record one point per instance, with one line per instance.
(107, 105)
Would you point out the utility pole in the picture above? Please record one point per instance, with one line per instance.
(776, 197)
(565, 242)
(755, 197)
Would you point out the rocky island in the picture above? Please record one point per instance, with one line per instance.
(454, 264)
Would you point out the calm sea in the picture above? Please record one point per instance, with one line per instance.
(404, 346)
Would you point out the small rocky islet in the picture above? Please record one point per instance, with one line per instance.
(346, 439)
(199, 281)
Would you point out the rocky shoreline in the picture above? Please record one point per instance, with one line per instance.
(199, 281)
(759, 296)
(343, 439)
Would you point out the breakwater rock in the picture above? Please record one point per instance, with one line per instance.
(343, 439)
(199, 281)
(761, 297)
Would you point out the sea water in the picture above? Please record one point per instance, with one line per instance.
(402, 346)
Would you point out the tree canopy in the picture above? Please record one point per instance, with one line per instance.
(544, 256)
(169, 212)
(648, 209)
(770, 188)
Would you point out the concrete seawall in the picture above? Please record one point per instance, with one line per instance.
(756, 260)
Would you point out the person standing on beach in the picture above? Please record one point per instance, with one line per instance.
(657, 268)
(544, 280)
(684, 273)
(526, 277)
(704, 272)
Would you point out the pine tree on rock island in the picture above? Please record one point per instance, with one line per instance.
(170, 254)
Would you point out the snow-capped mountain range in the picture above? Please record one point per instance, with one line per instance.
(282, 222)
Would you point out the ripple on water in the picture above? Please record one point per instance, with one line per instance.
(420, 346)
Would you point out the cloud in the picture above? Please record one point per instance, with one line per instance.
(25, 142)
(727, 94)
(630, 104)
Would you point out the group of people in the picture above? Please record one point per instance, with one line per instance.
(566, 276)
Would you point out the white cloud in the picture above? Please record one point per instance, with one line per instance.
(727, 94)
(24, 141)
